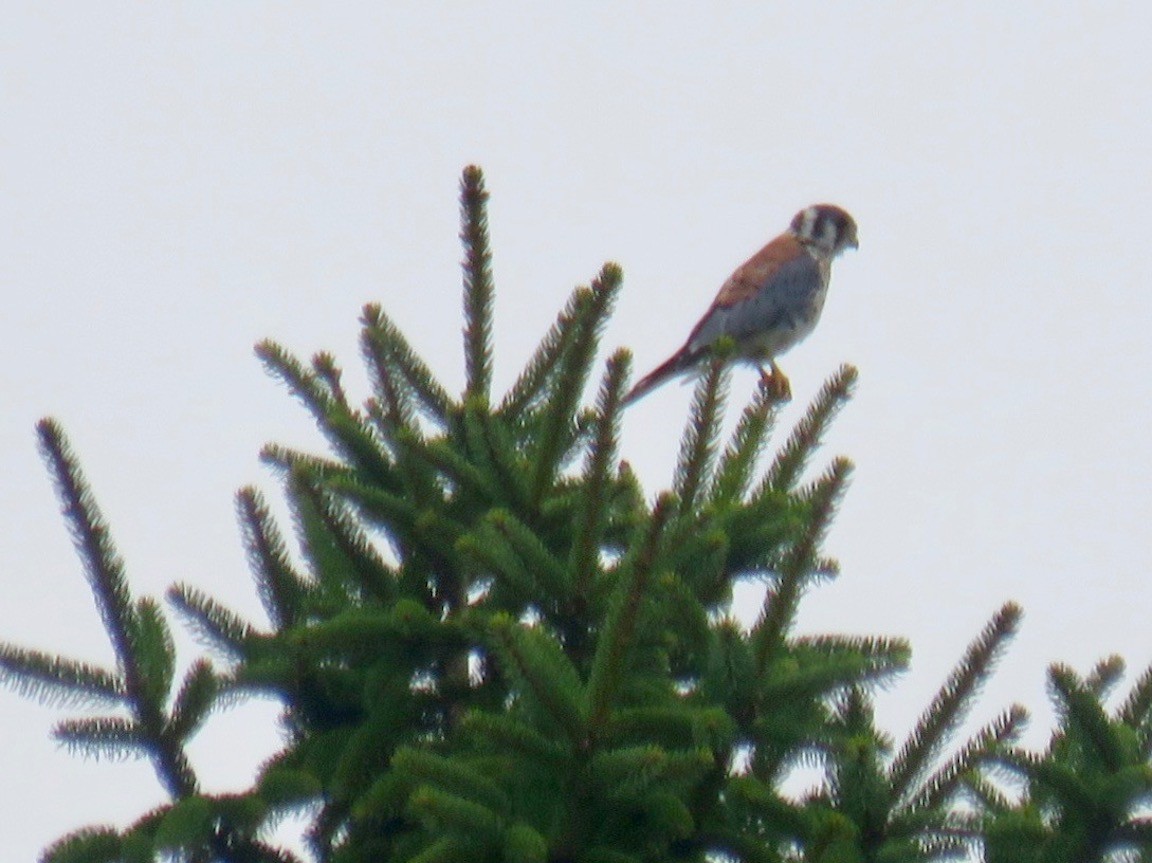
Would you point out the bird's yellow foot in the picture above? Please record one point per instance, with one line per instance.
(776, 383)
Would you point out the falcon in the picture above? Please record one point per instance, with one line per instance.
(769, 304)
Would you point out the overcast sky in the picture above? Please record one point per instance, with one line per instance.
(180, 180)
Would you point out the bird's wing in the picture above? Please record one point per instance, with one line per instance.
(774, 287)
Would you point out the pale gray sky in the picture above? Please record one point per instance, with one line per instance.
(180, 180)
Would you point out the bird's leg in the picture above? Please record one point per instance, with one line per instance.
(777, 384)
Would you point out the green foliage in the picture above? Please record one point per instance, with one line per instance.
(491, 646)
(1087, 795)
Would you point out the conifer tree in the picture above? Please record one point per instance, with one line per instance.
(492, 645)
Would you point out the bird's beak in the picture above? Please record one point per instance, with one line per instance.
(855, 244)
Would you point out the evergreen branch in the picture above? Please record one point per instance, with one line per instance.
(505, 733)
(758, 531)
(321, 393)
(336, 547)
(780, 603)
(548, 676)
(300, 381)
(521, 566)
(546, 569)
(282, 590)
(805, 438)
(734, 472)
(55, 680)
(506, 449)
(391, 407)
(1085, 718)
(383, 507)
(698, 448)
(949, 706)
(491, 447)
(105, 736)
(384, 339)
(429, 526)
(601, 457)
(138, 635)
(1016, 763)
(418, 476)
(357, 629)
(356, 440)
(825, 567)
(1057, 778)
(987, 797)
(629, 771)
(616, 636)
(950, 777)
(540, 368)
(194, 700)
(1136, 711)
(478, 288)
(329, 374)
(446, 458)
(882, 655)
(283, 787)
(672, 727)
(89, 844)
(451, 775)
(799, 682)
(102, 563)
(287, 460)
(1104, 676)
(570, 377)
(477, 448)
(205, 829)
(220, 628)
(154, 650)
(768, 806)
(705, 577)
(404, 443)
(391, 410)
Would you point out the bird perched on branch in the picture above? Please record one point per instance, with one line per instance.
(770, 303)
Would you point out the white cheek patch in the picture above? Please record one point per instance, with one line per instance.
(808, 224)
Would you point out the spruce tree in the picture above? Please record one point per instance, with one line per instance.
(492, 645)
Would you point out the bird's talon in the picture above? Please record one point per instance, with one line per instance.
(777, 385)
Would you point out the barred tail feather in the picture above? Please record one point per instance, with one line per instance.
(677, 364)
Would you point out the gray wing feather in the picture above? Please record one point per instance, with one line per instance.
(778, 315)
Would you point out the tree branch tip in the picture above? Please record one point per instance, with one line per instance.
(50, 431)
(848, 373)
(1012, 609)
(370, 315)
(619, 356)
(611, 274)
(264, 346)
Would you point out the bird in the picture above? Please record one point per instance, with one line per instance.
(769, 304)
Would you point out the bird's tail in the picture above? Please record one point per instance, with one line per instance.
(677, 364)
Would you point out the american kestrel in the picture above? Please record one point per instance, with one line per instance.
(770, 303)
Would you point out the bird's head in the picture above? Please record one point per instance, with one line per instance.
(825, 228)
